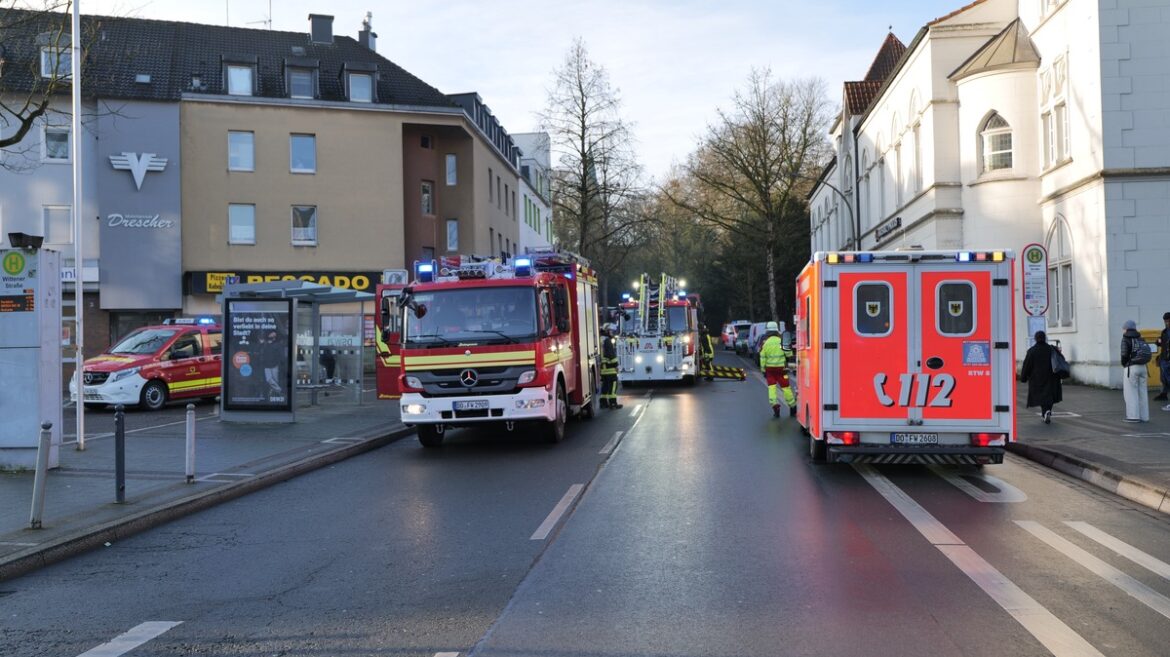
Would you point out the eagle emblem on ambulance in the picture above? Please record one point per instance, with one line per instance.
(873, 308)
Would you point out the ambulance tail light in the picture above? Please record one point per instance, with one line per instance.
(988, 439)
(843, 437)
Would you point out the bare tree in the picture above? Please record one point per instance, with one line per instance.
(755, 165)
(34, 63)
(596, 178)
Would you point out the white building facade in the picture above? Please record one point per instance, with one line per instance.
(1012, 122)
(536, 189)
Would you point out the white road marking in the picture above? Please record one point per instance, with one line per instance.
(612, 443)
(1151, 563)
(1129, 585)
(1060, 639)
(1007, 493)
(15, 544)
(446, 654)
(636, 410)
(225, 476)
(137, 636)
(546, 527)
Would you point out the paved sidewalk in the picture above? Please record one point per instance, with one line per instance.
(231, 459)
(1087, 439)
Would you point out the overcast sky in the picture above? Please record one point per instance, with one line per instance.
(673, 61)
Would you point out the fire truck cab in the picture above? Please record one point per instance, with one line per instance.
(906, 356)
(660, 338)
(474, 341)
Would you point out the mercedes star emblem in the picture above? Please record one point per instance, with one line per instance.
(468, 378)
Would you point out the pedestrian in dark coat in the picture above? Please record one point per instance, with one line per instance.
(1044, 389)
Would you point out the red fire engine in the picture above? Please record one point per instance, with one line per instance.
(906, 356)
(482, 341)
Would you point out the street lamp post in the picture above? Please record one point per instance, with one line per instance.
(855, 238)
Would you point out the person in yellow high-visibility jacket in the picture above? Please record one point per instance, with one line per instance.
(774, 363)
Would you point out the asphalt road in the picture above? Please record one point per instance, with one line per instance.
(701, 529)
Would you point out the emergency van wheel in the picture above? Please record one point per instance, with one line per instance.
(429, 435)
(154, 395)
(554, 432)
(816, 449)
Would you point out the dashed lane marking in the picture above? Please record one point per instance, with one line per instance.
(137, 636)
(1006, 493)
(637, 409)
(1149, 562)
(554, 517)
(1060, 639)
(611, 444)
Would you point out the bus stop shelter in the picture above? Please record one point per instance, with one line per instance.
(275, 353)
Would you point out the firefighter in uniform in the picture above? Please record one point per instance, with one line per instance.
(707, 353)
(609, 369)
(774, 363)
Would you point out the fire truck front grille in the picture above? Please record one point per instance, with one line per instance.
(483, 381)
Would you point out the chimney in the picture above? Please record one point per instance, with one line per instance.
(367, 37)
(320, 28)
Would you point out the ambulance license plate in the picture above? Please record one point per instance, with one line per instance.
(475, 405)
(914, 438)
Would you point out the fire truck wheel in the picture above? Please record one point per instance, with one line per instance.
(689, 380)
(816, 449)
(429, 436)
(554, 432)
(154, 395)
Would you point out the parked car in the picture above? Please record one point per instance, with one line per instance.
(731, 332)
(155, 364)
(742, 333)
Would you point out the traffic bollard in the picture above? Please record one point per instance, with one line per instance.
(190, 443)
(119, 454)
(38, 501)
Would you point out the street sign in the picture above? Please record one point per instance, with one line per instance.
(1034, 266)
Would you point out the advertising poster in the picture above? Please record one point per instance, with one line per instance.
(257, 368)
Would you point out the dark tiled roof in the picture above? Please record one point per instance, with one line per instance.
(119, 49)
(886, 60)
(858, 95)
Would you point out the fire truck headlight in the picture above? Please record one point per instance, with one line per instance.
(414, 409)
(528, 376)
(413, 382)
(687, 339)
(122, 374)
(660, 358)
(637, 359)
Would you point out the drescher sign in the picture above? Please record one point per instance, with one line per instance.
(116, 219)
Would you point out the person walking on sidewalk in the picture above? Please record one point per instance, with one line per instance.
(1135, 384)
(1164, 360)
(1044, 389)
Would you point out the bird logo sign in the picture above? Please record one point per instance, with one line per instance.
(138, 164)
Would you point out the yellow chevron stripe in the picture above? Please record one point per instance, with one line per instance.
(492, 358)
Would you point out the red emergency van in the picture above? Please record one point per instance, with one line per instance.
(181, 359)
(906, 356)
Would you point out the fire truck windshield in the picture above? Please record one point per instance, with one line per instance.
(143, 341)
(485, 315)
(676, 319)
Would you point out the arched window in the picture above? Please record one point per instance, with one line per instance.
(1061, 302)
(865, 209)
(996, 141)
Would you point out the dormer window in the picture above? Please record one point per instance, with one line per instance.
(241, 79)
(361, 87)
(56, 63)
(300, 83)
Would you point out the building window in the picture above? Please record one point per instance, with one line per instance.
(507, 194)
(491, 237)
(304, 225)
(300, 83)
(491, 195)
(499, 242)
(241, 223)
(499, 193)
(303, 153)
(239, 80)
(56, 144)
(428, 253)
(996, 139)
(452, 234)
(56, 62)
(917, 174)
(361, 87)
(241, 151)
(513, 205)
(1062, 310)
(58, 228)
(1054, 117)
(451, 169)
(428, 198)
(426, 142)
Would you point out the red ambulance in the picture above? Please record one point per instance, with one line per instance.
(906, 356)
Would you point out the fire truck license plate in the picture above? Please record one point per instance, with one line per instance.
(476, 405)
(914, 438)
